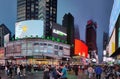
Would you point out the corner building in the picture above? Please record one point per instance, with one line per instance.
(36, 51)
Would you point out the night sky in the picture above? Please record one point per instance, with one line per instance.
(82, 10)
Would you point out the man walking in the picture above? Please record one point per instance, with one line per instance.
(98, 71)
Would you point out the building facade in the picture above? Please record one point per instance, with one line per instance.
(105, 40)
(68, 22)
(30, 50)
(91, 38)
(3, 31)
(45, 10)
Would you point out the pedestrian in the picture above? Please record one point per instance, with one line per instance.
(55, 75)
(109, 72)
(6, 70)
(46, 74)
(76, 70)
(98, 72)
(10, 71)
(90, 72)
(63, 73)
(18, 72)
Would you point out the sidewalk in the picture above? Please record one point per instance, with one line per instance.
(29, 75)
(82, 75)
(71, 76)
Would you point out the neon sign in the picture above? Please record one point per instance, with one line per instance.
(59, 32)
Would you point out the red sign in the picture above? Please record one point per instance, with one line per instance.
(81, 48)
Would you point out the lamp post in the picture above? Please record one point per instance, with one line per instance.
(104, 52)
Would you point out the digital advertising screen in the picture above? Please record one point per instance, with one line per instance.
(59, 32)
(114, 15)
(111, 48)
(119, 37)
(29, 28)
(81, 48)
(6, 39)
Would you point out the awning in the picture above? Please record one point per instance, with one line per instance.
(117, 52)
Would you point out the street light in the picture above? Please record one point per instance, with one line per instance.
(79, 54)
(104, 52)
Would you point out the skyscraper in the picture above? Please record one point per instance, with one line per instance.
(68, 22)
(3, 31)
(45, 10)
(105, 40)
(91, 38)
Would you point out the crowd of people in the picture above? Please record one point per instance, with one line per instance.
(57, 71)
(98, 71)
(12, 70)
(61, 71)
(90, 71)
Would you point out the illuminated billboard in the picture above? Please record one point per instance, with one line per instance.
(81, 48)
(111, 48)
(119, 37)
(114, 15)
(59, 32)
(29, 28)
(6, 39)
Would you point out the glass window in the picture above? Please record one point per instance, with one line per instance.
(60, 48)
(56, 46)
(41, 43)
(35, 43)
(24, 46)
(56, 52)
(45, 44)
(49, 44)
(29, 45)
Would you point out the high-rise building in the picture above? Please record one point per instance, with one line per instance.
(45, 10)
(91, 38)
(3, 31)
(68, 22)
(105, 40)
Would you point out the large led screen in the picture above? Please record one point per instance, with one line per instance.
(29, 28)
(6, 39)
(81, 48)
(114, 15)
(119, 37)
(112, 43)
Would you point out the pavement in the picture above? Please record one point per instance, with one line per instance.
(39, 75)
(29, 75)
